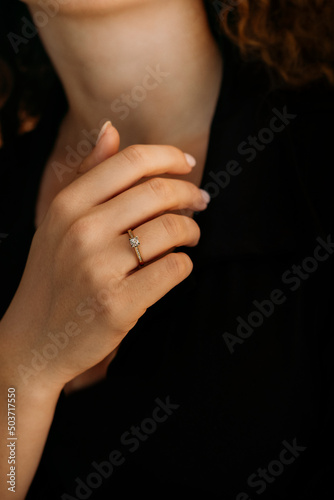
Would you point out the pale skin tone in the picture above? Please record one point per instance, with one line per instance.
(137, 176)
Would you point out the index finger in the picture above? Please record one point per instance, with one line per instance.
(123, 170)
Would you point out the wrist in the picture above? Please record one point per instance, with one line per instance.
(17, 372)
(36, 387)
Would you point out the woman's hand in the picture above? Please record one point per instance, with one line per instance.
(82, 290)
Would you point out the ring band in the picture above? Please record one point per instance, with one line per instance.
(134, 243)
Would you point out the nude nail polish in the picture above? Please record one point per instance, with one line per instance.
(102, 131)
(205, 195)
(190, 160)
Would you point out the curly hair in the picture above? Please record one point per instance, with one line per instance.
(293, 38)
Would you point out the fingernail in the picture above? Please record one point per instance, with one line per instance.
(102, 131)
(190, 160)
(206, 197)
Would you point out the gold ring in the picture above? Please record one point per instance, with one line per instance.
(134, 243)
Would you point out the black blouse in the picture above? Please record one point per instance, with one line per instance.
(224, 387)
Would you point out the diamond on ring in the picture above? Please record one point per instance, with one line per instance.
(134, 242)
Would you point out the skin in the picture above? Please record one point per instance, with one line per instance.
(80, 249)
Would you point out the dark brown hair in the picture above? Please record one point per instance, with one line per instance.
(294, 38)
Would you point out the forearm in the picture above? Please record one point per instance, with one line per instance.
(26, 414)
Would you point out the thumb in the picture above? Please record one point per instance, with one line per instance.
(107, 145)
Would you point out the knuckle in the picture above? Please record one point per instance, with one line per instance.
(60, 204)
(59, 215)
(161, 188)
(80, 232)
(181, 228)
(178, 265)
(135, 154)
(172, 225)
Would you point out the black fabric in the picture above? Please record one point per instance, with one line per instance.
(232, 397)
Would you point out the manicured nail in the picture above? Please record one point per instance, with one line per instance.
(103, 130)
(205, 195)
(190, 160)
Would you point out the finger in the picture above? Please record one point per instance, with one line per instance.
(156, 237)
(107, 145)
(122, 171)
(149, 284)
(147, 200)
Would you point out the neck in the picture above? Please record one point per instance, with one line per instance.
(153, 69)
